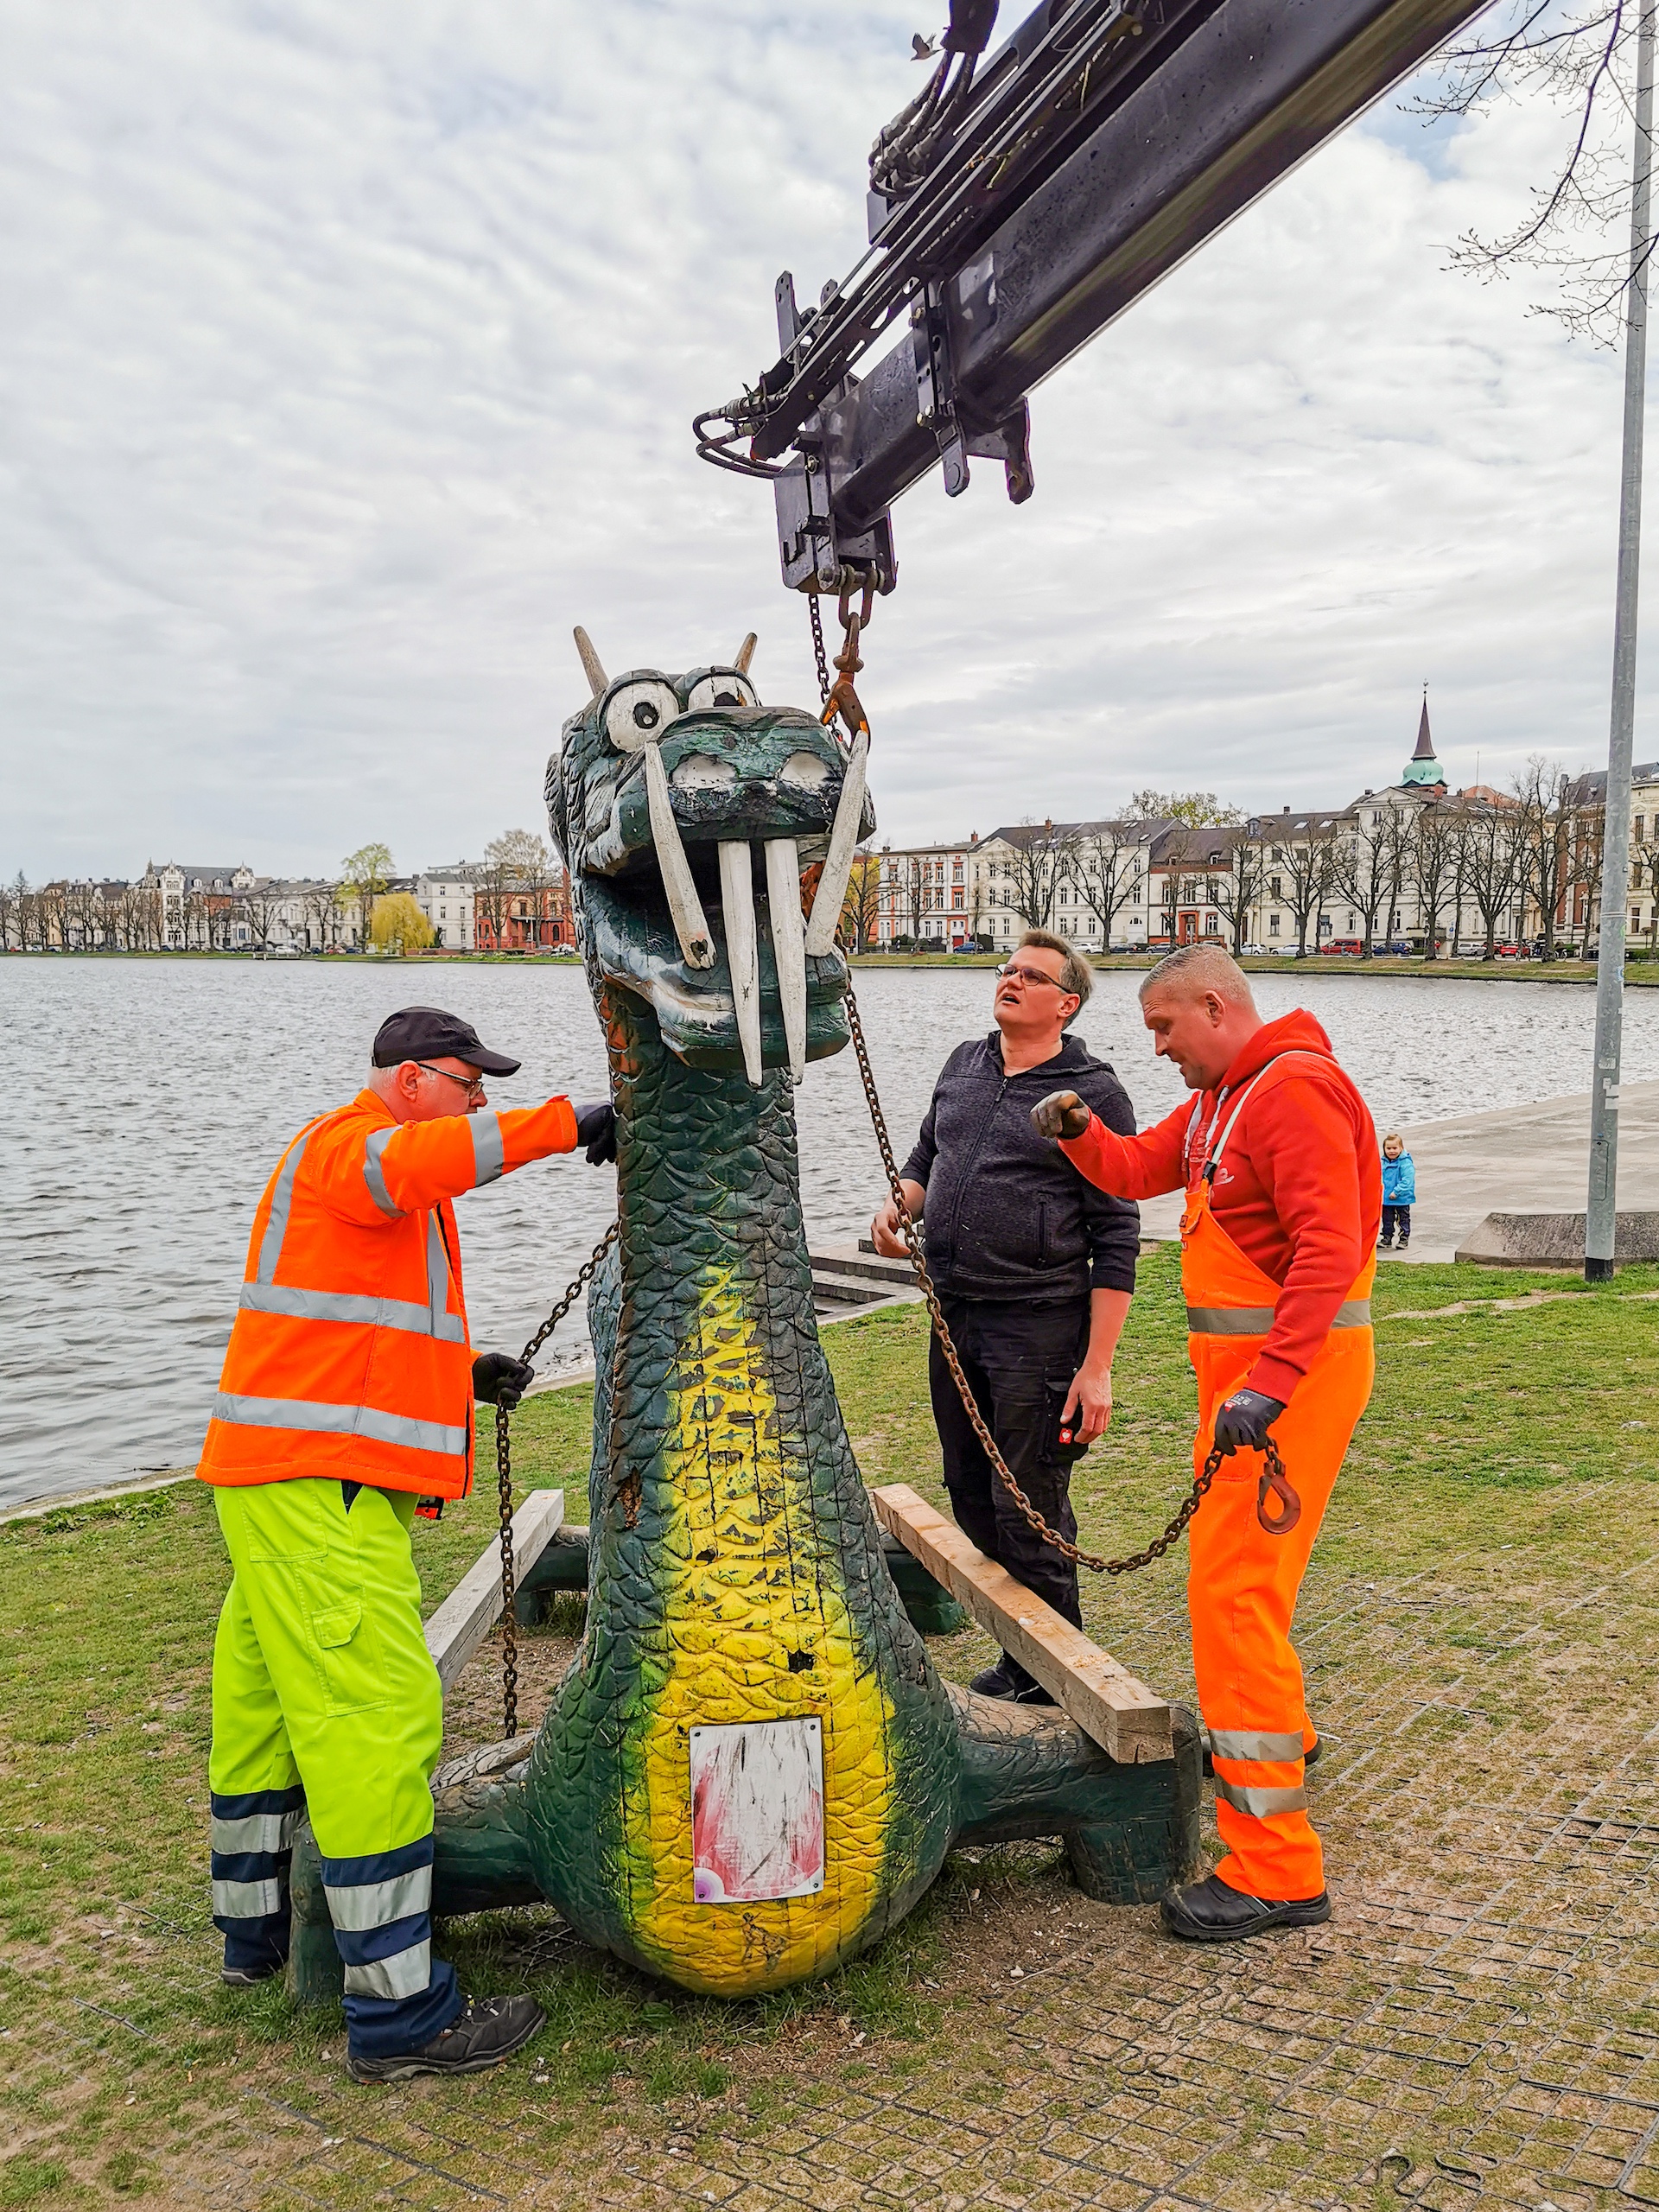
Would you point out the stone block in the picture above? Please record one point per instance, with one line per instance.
(1554, 1240)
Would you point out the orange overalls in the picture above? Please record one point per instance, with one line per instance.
(1242, 1582)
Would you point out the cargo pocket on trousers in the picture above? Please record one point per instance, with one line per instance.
(347, 1651)
(1057, 1451)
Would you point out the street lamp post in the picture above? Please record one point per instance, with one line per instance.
(1601, 1216)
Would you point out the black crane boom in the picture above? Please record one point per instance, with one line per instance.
(1103, 142)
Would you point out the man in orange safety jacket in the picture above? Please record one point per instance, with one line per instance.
(348, 1394)
(1278, 1159)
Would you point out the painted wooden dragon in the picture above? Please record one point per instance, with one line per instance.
(752, 1768)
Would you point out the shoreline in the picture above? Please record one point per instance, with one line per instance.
(1579, 972)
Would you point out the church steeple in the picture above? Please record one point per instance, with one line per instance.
(1423, 769)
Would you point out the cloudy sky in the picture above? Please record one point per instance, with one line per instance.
(349, 359)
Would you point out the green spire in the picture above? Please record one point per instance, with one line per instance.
(1423, 767)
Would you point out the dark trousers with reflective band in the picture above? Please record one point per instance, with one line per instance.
(1020, 1361)
(325, 1700)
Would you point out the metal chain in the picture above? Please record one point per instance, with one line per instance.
(817, 645)
(1273, 1478)
(1032, 1517)
(504, 1468)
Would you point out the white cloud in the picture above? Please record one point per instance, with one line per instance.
(350, 357)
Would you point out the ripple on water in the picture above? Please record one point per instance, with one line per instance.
(156, 1096)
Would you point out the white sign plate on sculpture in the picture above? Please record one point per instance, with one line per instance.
(756, 1811)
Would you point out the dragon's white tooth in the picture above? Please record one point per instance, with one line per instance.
(844, 839)
(685, 908)
(737, 899)
(788, 944)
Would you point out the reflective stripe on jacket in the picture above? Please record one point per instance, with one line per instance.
(350, 1354)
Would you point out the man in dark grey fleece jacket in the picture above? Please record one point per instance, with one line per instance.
(1035, 1270)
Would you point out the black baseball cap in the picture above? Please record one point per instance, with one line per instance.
(426, 1032)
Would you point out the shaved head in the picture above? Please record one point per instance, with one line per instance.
(1199, 1007)
(1194, 970)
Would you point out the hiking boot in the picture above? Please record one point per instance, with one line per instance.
(1032, 1693)
(1310, 1757)
(249, 1977)
(1001, 1681)
(1211, 1911)
(485, 2031)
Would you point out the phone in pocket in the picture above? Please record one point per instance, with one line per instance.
(1066, 1441)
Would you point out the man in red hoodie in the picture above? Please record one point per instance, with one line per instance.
(1278, 1159)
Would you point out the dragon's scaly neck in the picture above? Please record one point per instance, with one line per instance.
(735, 1573)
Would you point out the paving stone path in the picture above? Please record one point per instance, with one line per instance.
(1479, 2026)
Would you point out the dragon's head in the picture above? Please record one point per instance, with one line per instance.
(687, 814)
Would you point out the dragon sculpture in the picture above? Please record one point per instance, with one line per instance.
(752, 1768)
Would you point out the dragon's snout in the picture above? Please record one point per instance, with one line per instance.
(687, 789)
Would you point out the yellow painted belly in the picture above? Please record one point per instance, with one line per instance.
(749, 1580)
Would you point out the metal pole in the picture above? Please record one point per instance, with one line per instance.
(1601, 1214)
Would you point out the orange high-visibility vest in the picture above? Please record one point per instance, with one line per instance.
(1243, 1581)
(350, 1355)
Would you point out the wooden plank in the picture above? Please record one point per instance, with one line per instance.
(472, 1607)
(1127, 1719)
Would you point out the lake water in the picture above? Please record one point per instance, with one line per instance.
(151, 1097)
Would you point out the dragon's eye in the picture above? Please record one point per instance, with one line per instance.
(723, 688)
(639, 711)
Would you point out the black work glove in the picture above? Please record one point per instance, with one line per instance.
(1244, 1420)
(1062, 1114)
(596, 1128)
(498, 1379)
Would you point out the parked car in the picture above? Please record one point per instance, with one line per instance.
(1510, 952)
(1349, 947)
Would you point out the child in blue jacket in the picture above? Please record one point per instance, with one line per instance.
(1399, 1193)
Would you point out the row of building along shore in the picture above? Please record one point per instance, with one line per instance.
(1416, 868)
(176, 907)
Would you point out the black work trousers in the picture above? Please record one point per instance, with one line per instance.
(1020, 1361)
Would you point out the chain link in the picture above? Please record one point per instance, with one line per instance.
(504, 1468)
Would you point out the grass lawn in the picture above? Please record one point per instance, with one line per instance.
(1496, 1514)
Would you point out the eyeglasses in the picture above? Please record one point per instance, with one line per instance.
(472, 1085)
(1032, 975)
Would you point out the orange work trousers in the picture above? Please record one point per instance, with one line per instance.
(1242, 1583)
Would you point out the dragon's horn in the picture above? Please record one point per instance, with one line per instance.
(590, 663)
(745, 654)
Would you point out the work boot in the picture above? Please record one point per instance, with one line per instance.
(485, 2031)
(1310, 1758)
(1211, 1911)
(249, 1977)
(1003, 1680)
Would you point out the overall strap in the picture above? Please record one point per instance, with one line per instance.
(1212, 1160)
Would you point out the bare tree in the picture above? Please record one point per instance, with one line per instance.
(1040, 861)
(1106, 863)
(1434, 867)
(1235, 890)
(8, 917)
(1644, 872)
(262, 907)
(1395, 848)
(1587, 845)
(1547, 829)
(1580, 61)
(1493, 851)
(1310, 871)
(1359, 873)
